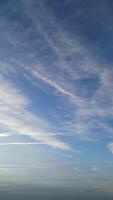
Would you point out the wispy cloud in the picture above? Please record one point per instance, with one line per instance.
(19, 143)
(74, 99)
(76, 169)
(65, 65)
(110, 147)
(95, 169)
(17, 119)
(11, 98)
(5, 134)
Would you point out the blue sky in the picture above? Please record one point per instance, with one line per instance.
(56, 93)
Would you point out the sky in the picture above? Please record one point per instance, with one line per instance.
(56, 99)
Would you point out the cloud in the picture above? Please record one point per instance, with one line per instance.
(76, 169)
(110, 147)
(10, 97)
(6, 68)
(86, 110)
(71, 61)
(60, 42)
(19, 143)
(3, 170)
(63, 63)
(73, 98)
(95, 169)
(5, 134)
(39, 165)
(16, 118)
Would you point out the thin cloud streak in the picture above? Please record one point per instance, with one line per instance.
(74, 99)
(20, 143)
(4, 134)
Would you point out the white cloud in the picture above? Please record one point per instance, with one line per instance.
(5, 134)
(74, 99)
(95, 169)
(10, 97)
(110, 147)
(86, 110)
(20, 143)
(61, 43)
(81, 64)
(16, 118)
(76, 169)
